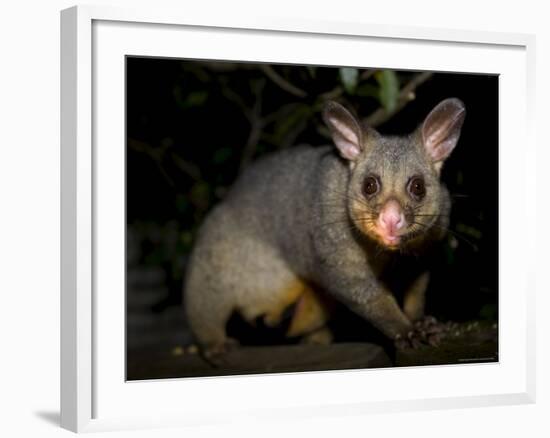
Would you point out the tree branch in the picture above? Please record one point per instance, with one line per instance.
(159, 154)
(254, 116)
(282, 82)
(406, 95)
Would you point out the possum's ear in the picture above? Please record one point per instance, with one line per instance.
(441, 129)
(345, 130)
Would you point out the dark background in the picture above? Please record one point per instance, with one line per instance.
(192, 127)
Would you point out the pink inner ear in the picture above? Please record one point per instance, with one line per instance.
(344, 130)
(439, 150)
(346, 139)
(348, 150)
(441, 141)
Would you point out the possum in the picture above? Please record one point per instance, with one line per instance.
(331, 218)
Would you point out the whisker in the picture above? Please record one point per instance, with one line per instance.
(342, 221)
(332, 204)
(452, 232)
(346, 196)
(460, 195)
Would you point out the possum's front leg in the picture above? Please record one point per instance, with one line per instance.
(427, 329)
(365, 295)
(343, 270)
(380, 308)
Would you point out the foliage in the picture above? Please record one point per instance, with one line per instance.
(193, 127)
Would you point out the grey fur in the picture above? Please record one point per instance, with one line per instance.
(297, 215)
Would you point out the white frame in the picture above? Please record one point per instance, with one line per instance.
(78, 363)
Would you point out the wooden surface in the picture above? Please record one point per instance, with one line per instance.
(472, 342)
(159, 341)
(468, 343)
(256, 360)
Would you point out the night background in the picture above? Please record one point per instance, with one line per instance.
(192, 127)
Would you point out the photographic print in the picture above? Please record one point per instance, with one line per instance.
(287, 218)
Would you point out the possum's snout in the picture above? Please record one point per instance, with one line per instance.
(391, 223)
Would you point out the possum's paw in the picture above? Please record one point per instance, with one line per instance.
(219, 349)
(425, 331)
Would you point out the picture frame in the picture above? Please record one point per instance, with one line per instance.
(94, 393)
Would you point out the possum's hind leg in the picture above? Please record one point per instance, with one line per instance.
(207, 313)
(209, 292)
(230, 270)
(311, 314)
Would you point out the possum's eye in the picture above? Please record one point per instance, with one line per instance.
(371, 186)
(417, 188)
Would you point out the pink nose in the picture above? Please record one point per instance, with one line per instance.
(391, 217)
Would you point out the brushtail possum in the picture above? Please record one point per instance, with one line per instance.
(334, 218)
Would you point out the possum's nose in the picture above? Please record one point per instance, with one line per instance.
(392, 218)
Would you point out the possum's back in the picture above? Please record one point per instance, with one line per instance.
(274, 197)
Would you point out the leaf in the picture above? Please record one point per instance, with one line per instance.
(196, 98)
(389, 89)
(368, 90)
(222, 155)
(181, 203)
(199, 195)
(291, 120)
(155, 257)
(186, 101)
(186, 238)
(449, 252)
(469, 230)
(349, 77)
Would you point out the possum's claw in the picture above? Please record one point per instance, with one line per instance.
(213, 352)
(425, 331)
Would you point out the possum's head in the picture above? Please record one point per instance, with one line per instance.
(395, 196)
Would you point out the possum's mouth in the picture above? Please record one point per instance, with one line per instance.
(389, 240)
(394, 241)
(393, 234)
